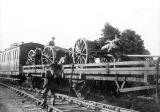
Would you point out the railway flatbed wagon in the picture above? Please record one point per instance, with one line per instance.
(143, 72)
(138, 72)
(84, 71)
(125, 75)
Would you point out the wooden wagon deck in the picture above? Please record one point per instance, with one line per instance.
(136, 71)
(129, 71)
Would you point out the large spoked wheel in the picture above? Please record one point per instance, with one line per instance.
(80, 54)
(48, 55)
(31, 58)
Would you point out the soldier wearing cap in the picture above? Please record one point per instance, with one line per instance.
(51, 43)
(50, 84)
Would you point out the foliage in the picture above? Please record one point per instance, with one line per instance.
(108, 33)
(131, 42)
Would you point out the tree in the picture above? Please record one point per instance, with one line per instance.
(132, 43)
(108, 33)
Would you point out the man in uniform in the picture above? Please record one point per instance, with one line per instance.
(63, 60)
(51, 43)
(38, 56)
(49, 84)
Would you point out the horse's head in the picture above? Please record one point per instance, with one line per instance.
(106, 46)
(112, 48)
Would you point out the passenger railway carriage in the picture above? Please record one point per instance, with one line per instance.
(13, 58)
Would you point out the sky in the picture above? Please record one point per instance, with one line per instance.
(68, 20)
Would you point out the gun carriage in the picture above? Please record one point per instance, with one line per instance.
(86, 51)
(46, 56)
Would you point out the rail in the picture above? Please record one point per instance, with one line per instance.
(85, 103)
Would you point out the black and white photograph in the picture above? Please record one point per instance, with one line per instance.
(79, 55)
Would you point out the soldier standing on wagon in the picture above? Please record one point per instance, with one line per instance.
(38, 56)
(63, 60)
(51, 43)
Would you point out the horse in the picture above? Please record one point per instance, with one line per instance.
(113, 48)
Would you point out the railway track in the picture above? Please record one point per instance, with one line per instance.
(65, 103)
(12, 102)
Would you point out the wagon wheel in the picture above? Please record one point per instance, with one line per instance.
(48, 55)
(31, 58)
(80, 54)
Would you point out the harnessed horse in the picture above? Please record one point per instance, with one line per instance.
(114, 48)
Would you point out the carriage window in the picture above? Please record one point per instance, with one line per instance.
(0, 58)
(4, 57)
(16, 53)
(13, 54)
(10, 56)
